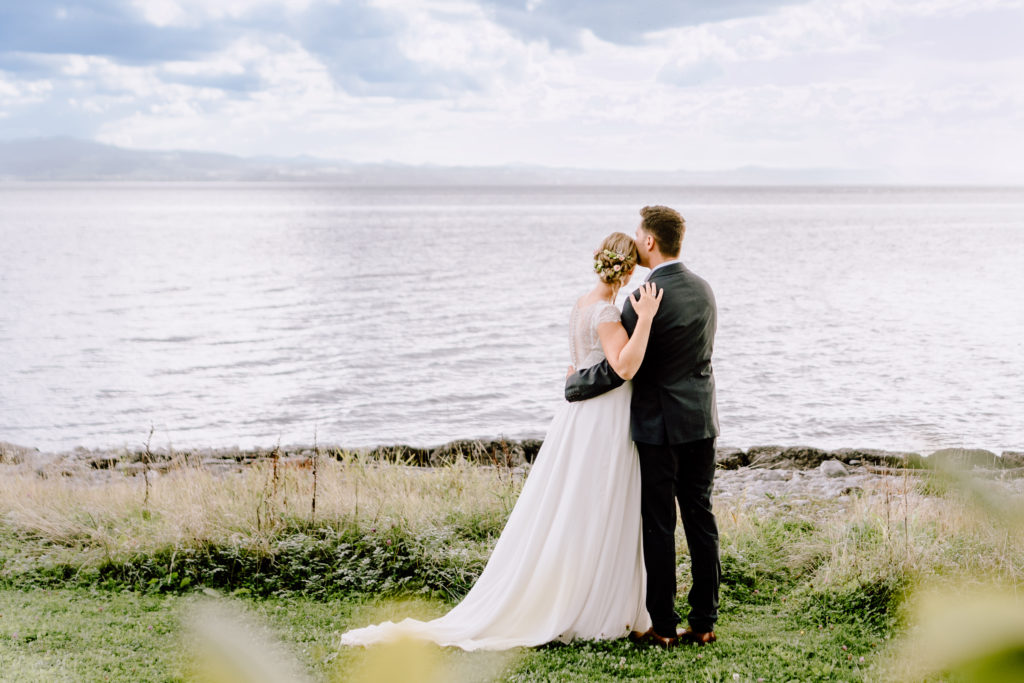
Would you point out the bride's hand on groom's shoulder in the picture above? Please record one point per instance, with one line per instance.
(646, 299)
(570, 372)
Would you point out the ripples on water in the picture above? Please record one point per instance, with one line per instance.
(244, 314)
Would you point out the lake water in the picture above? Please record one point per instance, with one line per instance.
(241, 314)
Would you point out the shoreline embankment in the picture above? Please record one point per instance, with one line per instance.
(499, 452)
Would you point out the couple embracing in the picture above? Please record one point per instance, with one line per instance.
(588, 551)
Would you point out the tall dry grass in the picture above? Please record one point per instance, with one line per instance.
(919, 527)
(116, 515)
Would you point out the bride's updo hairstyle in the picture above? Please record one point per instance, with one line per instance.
(616, 258)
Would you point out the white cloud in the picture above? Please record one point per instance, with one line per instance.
(194, 12)
(853, 83)
(15, 92)
(460, 39)
(161, 12)
(298, 94)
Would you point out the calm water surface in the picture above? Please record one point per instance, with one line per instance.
(243, 314)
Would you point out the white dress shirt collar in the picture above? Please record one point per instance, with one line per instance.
(662, 265)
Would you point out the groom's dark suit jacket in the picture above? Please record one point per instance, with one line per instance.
(674, 389)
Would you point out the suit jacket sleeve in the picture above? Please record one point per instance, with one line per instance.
(590, 382)
(599, 379)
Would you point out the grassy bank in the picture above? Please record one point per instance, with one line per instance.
(99, 576)
(80, 634)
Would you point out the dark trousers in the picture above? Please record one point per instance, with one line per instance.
(683, 473)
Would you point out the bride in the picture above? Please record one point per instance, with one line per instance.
(569, 562)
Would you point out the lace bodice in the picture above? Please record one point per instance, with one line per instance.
(584, 343)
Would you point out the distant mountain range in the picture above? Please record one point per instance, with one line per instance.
(70, 159)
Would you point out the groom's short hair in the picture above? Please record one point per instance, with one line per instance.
(666, 226)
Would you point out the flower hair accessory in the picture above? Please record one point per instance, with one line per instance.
(609, 264)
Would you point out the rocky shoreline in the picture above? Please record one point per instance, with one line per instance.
(756, 477)
(502, 453)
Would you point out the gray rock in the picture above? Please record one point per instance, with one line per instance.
(506, 453)
(805, 457)
(730, 458)
(520, 473)
(103, 462)
(407, 455)
(140, 455)
(472, 451)
(754, 491)
(530, 448)
(132, 468)
(773, 475)
(48, 465)
(501, 453)
(13, 454)
(297, 462)
(833, 468)
(1012, 459)
(879, 457)
(764, 456)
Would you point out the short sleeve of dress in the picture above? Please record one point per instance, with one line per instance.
(608, 314)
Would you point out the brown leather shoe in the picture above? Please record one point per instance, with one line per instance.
(637, 637)
(689, 636)
(650, 637)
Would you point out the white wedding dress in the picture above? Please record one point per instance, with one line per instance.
(569, 562)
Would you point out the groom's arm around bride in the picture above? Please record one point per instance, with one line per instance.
(674, 389)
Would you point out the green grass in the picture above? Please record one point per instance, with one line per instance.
(99, 583)
(82, 634)
(78, 635)
(112, 625)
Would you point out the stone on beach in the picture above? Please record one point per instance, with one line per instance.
(764, 456)
(833, 468)
(805, 457)
(730, 458)
(878, 457)
(1012, 459)
(502, 453)
(779, 457)
(13, 454)
(773, 475)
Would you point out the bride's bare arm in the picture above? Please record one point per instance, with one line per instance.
(625, 352)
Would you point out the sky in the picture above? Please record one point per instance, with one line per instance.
(919, 89)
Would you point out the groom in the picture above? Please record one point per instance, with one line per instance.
(674, 422)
